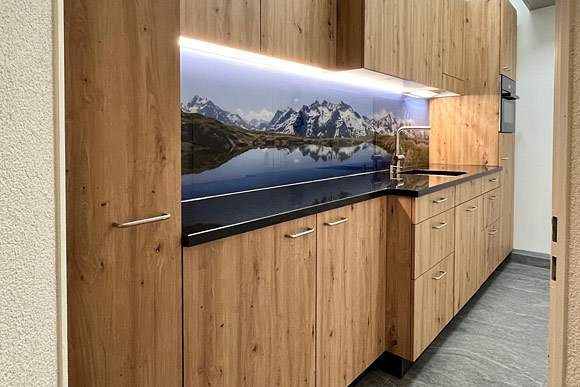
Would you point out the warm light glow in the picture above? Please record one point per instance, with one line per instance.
(358, 78)
(232, 53)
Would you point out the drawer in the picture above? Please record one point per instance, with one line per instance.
(467, 191)
(432, 304)
(492, 248)
(433, 240)
(430, 205)
(491, 182)
(492, 206)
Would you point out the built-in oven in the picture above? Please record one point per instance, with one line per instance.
(508, 105)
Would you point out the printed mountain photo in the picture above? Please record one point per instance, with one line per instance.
(238, 134)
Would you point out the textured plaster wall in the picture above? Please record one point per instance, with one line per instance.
(573, 253)
(28, 312)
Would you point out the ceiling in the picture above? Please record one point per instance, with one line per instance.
(535, 4)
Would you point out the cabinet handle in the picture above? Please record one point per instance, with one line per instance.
(493, 197)
(142, 221)
(342, 220)
(507, 68)
(300, 234)
(443, 224)
(442, 200)
(441, 275)
(505, 158)
(493, 232)
(471, 209)
(493, 180)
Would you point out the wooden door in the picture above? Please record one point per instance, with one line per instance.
(453, 38)
(351, 271)
(300, 30)
(492, 248)
(249, 308)
(226, 22)
(507, 161)
(468, 250)
(123, 164)
(509, 39)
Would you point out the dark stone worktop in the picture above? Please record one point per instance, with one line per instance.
(213, 218)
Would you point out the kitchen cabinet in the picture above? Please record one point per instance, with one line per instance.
(509, 39)
(300, 30)
(351, 270)
(225, 22)
(123, 164)
(492, 206)
(407, 39)
(507, 161)
(468, 250)
(492, 248)
(249, 308)
(433, 240)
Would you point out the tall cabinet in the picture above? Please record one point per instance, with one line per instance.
(507, 161)
(123, 165)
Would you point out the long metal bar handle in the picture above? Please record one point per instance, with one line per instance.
(471, 209)
(505, 158)
(142, 221)
(441, 275)
(300, 234)
(493, 232)
(443, 224)
(442, 200)
(342, 220)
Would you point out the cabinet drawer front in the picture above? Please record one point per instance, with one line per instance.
(491, 182)
(432, 304)
(433, 240)
(467, 191)
(430, 205)
(492, 248)
(492, 206)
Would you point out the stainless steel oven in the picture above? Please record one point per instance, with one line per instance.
(508, 105)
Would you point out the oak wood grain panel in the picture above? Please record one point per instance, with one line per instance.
(469, 190)
(492, 205)
(249, 309)
(492, 246)
(388, 36)
(507, 161)
(227, 22)
(350, 34)
(351, 271)
(433, 240)
(491, 182)
(435, 203)
(454, 39)
(300, 30)
(432, 304)
(469, 245)
(123, 164)
(509, 39)
(453, 84)
(399, 257)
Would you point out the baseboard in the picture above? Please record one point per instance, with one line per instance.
(531, 258)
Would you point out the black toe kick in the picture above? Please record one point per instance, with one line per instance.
(393, 364)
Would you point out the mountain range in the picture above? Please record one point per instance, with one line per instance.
(319, 119)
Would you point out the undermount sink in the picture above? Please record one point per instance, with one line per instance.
(432, 172)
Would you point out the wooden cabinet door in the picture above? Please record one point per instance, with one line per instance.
(300, 30)
(432, 304)
(226, 22)
(249, 308)
(509, 39)
(468, 250)
(351, 271)
(507, 161)
(492, 248)
(453, 38)
(123, 164)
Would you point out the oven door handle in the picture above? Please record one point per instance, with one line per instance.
(509, 96)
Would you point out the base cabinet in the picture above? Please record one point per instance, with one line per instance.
(492, 247)
(507, 161)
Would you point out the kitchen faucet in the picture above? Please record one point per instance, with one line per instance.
(395, 168)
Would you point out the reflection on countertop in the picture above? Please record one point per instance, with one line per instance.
(208, 219)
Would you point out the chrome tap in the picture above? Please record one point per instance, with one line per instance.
(395, 168)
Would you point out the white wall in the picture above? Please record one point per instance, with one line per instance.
(28, 222)
(534, 125)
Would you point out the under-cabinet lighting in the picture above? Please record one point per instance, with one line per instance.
(422, 93)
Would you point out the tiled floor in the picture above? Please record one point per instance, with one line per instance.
(500, 338)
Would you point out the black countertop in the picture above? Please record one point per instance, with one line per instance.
(208, 219)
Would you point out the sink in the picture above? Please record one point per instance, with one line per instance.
(432, 172)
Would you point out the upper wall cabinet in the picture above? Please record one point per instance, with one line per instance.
(418, 40)
(509, 39)
(300, 30)
(231, 23)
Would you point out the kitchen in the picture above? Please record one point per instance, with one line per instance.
(357, 195)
